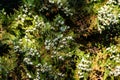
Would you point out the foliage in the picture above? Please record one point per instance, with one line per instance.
(60, 40)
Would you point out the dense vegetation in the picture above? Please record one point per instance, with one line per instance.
(59, 40)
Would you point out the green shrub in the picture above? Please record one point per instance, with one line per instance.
(61, 40)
